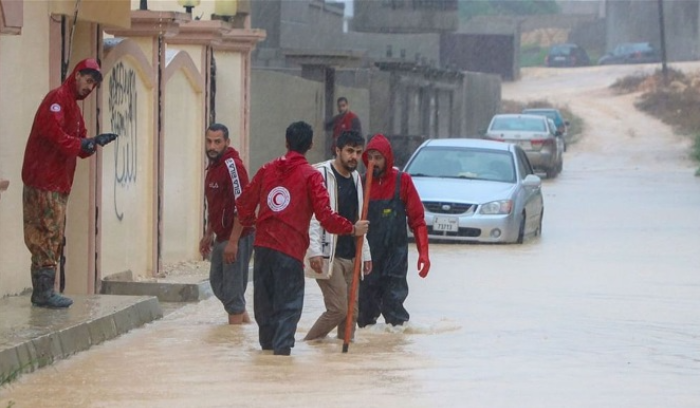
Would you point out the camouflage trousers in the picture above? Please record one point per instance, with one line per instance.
(44, 224)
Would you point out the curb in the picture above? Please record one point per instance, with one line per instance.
(31, 337)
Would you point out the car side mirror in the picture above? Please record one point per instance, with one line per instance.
(532, 180)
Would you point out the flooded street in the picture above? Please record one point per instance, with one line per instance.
(602, 311)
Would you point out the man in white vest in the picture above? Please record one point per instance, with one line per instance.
(331, 257)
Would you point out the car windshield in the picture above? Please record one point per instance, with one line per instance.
(467, 163)
(560, 50)
(518, 123)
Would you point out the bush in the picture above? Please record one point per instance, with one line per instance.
(677, 104)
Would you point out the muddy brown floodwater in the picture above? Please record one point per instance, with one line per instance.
(602, 311)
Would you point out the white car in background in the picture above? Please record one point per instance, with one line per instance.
(477, 190)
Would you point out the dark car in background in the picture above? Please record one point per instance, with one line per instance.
(631, 53)
(567, 55)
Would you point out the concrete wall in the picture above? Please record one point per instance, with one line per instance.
(279, 99)
(637, 21)
(482, 100)
(405, 16)
(582, 7)
(276, 101)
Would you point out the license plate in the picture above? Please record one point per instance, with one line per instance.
(525, 145)
(449, 224)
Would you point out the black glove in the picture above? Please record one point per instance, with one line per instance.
(87, 146)
(105, 138)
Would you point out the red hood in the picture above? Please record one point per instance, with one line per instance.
(382, 145)
(69, 83)
(284, 165)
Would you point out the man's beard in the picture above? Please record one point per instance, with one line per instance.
(350, 167)
(376, 172)
(216, 155)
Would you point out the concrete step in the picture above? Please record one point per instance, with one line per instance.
(190, 286)
(32, 337)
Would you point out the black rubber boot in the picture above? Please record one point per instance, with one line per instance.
(44, 294)
(35, 285)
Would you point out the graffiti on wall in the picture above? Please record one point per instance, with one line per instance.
(123, 118)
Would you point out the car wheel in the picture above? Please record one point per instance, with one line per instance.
(560, 166)
(538, 232)
(551, 172)
(521, 230)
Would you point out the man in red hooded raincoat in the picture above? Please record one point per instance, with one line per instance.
(57, 139)
(393, 199)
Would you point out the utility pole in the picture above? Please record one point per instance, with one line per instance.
(664, 68)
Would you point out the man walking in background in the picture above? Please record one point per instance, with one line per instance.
(332, 257)
(286, 192)
(225, 180)
(344, 120)
(57, 139)
(393, 200)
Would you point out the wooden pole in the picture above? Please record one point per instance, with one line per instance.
(358, 263)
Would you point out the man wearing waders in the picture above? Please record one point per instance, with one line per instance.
(286, 192)
(58, 137)
(225, 180)
(393, 199)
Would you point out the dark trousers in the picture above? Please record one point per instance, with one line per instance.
(229, 281)
(278, 298)
(384, 291)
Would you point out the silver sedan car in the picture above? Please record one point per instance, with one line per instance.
(536, 134)
(477, 190)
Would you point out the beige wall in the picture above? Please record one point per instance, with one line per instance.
(24, 82)
(205, 8)
(183, 192)
(112, 208)
(128, 170)
(80, 220)
(229, 98)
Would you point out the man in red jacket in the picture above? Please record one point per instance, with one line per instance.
(344, 120)
(287, 192)
(225, 180)
(393, 199)
(57, 139)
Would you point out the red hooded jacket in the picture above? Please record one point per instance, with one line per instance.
(54, 142)
(225, 180)
(288, 191)
(345, 121)
(383, 186)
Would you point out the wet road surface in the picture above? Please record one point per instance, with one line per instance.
(602, 311)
